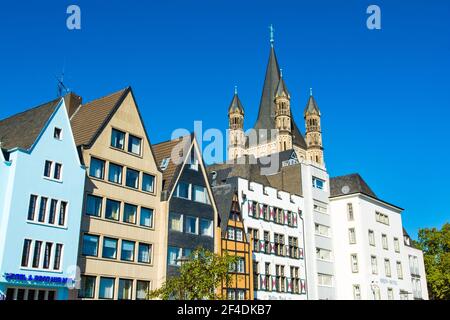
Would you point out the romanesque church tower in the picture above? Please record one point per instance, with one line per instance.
(313, 131)
(236, 137)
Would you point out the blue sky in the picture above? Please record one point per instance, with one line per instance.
(384, 94)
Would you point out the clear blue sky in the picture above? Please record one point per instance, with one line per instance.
(384, 95)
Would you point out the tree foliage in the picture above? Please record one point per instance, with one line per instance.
(199, 277)
(435, 245)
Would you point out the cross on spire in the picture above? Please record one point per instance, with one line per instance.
(235, 90)
(310, 91)
(272, 40)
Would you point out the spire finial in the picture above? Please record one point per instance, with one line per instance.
(281, 72)
(235, 90)
(310, 92)
(272, 40)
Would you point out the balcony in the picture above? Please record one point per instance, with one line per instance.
(273, 283)
(281, 250)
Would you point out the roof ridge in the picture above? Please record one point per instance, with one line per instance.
(172, 140)
(30, 109)
(106, 96)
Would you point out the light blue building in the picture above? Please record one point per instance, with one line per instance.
(41, 192)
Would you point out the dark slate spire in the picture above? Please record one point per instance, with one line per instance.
(311, 106)
(282, 88)
(236, 104)
(266, 114)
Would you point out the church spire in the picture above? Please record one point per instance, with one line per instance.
(272, 39)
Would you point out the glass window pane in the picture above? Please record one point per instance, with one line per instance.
(112, 209)
(134, 144)
(117, 139)
(93, 205)
(183, 190)
(106, 290)
(87, 287)
(146, 218)
(148, 182)
(173, 256)
(132, 179)
(199, 194)
(90, 245)
(206, 227)
(175, 222)
(142, 290)
(109, 248)
(125, 289)
(191, 225)
(129, 213)
(115, 173)
(97, 168)
(127, 253)
(145, 253)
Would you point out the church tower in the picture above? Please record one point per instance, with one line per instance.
(236, 142)
(314, 151)
(283, 116)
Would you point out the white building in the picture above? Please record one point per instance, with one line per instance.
(372, 260)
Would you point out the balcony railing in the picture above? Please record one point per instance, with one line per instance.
(280, 284)
(281, 250)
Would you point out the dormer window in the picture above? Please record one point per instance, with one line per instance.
(57, 134)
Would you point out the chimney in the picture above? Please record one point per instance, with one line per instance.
(72, 102)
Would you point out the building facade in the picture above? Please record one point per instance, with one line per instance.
(41, 192)
(122, 234)
(188, 207)
(375, 263)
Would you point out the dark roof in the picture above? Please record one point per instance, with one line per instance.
(223, 196)
(162, 151)
(282, 88)
(236, 105)
(225, 171)
(22, 130)
(311, 107)
(266, 114)
(349, 184)
(90, 118)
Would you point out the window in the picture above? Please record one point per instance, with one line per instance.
(132, 178)
(396, 245)
(206, 227)
(37, 254)
(351, 236)
(32, 207)
(90, 245)
(191, 225)
(52, 213)
(373, 261)
(97, 168)
(387, 267)
(399, 270)
(109, 248)
(148, 182)
(142, 290)
(390, 294)
(48, 168)
(144, 253)
(376, 293)
(112, 209)
(129, 213)
(146, 218)
(47, 255)
(87, 288)
(93, 205)
(106, 290)
(42, 209)
(200, 194)
(57, 133)
(320, 209)
(354, 262)
(325, 280)
(62, 213)
(58, 170)
(356, 292)
(26, 252)
(182, 190)
(58, 254)
(174, 255)
(175, 222)
(322, 230)
(164, 163)
(125, 289)
(318, 183)
(230, 233)
(323, 254)
(127, 252)
(134, 144)
(240, 294)
(350, 216)
(231, 294)
(240, 265)
(384, 241)
(117, 139)
(382, 218)
(239, 235)
(115, 173)
(193, 162)
(371, 238)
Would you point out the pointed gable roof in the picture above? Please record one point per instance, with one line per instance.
(266, 114)
(90, 118)
(236, 105)
(348, 184)
(311, 107)
(282, 89)
(21, 130)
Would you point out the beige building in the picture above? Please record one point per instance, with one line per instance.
(122, 225)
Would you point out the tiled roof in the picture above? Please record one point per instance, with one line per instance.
(21, 130)
(349, 184)
(90, 118)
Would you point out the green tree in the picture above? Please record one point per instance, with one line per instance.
(435, 245)
(199, 277)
